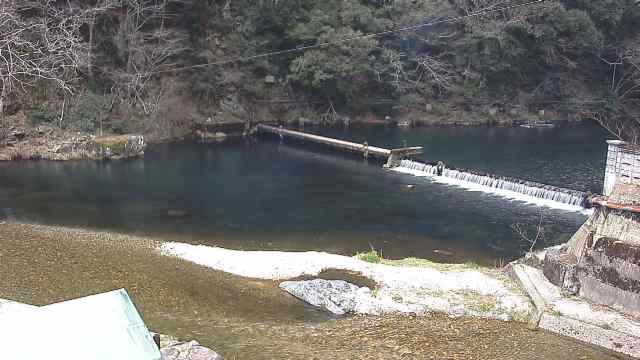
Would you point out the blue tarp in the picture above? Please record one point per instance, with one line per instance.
(98, 327)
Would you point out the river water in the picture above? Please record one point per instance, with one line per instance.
(266, 195)
(257, 194)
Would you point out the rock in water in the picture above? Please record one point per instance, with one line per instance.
(336, 296)
(443, 252)
(191, 350)
(178, 213)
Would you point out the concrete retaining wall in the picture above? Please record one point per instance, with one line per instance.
(623, 165)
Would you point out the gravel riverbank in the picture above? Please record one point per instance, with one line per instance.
(245, 318)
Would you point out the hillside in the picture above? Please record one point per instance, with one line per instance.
(158, 66)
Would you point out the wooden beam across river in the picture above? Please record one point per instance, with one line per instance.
(393, 156)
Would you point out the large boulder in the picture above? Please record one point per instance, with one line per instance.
(336, 296)
(340, 297)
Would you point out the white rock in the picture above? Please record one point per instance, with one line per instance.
(336, 296)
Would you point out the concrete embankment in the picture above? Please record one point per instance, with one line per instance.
(575, 317)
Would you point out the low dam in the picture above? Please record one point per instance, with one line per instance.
(398, 160)
(543, 194)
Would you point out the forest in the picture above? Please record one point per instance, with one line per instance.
(159, 66)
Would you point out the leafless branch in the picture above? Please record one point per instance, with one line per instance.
(40, 42)
(435, 71)
(146, 51)
(531, 237)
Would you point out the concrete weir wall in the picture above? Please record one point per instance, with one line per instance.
(609, 273)
(601, 262)
(623, 163)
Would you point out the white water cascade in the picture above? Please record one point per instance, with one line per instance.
(528, 191)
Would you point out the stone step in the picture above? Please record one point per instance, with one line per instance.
(575, 317)
(607, 338)
(526, 276)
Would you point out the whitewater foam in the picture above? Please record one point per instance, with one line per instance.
(513, 189)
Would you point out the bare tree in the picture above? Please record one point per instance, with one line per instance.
(435, 71)
(394, 67)
(43, 46)
(469, 7)
(147, 45)
(623, 119)
(90, 13)
(429, 70)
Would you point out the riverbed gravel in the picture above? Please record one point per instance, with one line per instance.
(241, 318)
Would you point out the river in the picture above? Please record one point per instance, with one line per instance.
(257, 194)
(252, 194)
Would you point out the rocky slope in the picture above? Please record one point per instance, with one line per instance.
(47, 142)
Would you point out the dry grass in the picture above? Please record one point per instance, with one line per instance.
(375, 257)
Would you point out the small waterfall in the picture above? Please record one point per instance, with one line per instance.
(528, 191)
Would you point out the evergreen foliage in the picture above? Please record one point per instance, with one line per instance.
(570, 56)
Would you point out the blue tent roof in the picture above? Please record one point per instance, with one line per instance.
(98, 327)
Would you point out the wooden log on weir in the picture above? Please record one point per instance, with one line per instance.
(393, 156)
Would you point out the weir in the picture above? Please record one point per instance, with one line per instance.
(498, 184)
(397, 159)
(393, 156)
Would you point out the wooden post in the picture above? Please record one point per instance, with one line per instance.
(392, 161)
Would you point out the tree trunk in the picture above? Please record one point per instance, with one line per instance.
(92, 23)
(2, 94)
(163, 15)
(61, 119)
(4, 131)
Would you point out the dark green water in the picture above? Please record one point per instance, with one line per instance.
(572, 156)
(260, 194)
(266, 195)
